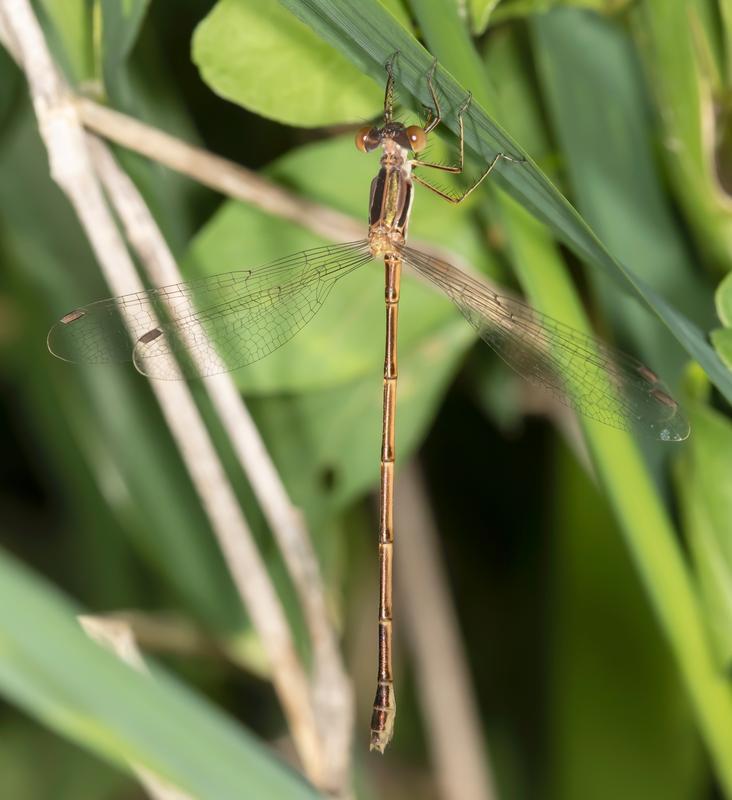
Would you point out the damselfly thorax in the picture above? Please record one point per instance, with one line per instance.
(392, 191)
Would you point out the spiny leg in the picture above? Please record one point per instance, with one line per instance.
(389, 93)
(456, 169)
(434, 115)
(458, 198)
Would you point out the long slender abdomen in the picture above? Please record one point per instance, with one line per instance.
(384, 710)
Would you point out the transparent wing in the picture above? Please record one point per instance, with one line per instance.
(596, 380)
(211, 325)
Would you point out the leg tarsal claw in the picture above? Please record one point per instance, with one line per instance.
(466, 104)
(512, 159)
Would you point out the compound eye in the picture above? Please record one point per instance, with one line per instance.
(417, 138)
(363, 141)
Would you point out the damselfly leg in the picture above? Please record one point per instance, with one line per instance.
(433, 120)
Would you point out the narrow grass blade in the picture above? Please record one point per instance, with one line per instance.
(51, 669)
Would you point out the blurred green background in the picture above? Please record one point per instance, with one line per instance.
(591, 574)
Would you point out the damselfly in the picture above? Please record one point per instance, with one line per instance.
(226, 321)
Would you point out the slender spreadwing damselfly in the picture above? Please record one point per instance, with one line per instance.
(227, 321)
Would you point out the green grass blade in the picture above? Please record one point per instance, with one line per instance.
(52, 670)
(365, 32)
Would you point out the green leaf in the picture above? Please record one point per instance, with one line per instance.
(706, 492)
(256, 54)
(57, 674)
(363, 31)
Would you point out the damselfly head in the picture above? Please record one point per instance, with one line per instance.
(411, 138)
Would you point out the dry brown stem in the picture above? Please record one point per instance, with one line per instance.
(331, 688)
(72, 170)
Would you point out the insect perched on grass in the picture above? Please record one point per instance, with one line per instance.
(227, 321)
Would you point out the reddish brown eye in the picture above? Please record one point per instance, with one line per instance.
(417, 138)
(362, 136)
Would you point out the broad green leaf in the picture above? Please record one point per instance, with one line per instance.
(364, 32)
(50, 668)
(706, 491)
(345, 339)
(256, 54)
